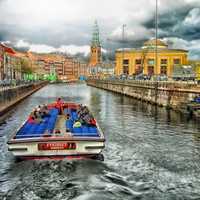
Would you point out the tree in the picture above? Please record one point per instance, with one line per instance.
(26, 66)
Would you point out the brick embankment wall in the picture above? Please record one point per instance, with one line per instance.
(9, 97)
(169, 94)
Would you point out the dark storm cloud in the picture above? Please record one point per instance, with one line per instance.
(171, 24)
(1, 36)
(190, 33)
(194, 54)
(32, 22)
(127, 42)
(5, 33)
(46, 36)
(21, 49)
(169, 19)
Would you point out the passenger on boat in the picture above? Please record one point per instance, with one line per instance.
(59, 104)
(92, 122)
(35, 117)
(86, 118)
(79, 108)
(80, 114)
(38, 108)
(31, 119)
(77, 124)
(85, 109)
(82, 111)
(44, 111)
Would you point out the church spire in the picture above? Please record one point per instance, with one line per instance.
(95, 36)
(95, 48)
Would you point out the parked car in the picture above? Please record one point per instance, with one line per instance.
(160, 77)
(123, 76)
(142, 77)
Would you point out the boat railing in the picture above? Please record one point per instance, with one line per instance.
(22, 136)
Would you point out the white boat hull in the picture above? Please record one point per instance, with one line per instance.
(31, 148)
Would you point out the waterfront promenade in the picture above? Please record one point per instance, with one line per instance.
(10, 95)
(163, 93)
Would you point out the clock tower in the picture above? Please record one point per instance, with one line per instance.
(95, 48)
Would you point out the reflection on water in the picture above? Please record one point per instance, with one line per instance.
(150, 153)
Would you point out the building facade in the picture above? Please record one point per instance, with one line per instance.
(1, 62)
(83, 69)
(16, 65)
(10, 66)
(64, 67)
(143, 60)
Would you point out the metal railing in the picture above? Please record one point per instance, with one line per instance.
(193, 85)
(11, 92)
(158, 78)
(9, 84)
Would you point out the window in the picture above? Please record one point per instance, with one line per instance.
(138, 69)
(125, 61)
(125, 70)
(151, 62)
(177, 61)
(163, 70)
(163, 61)
(150, 70)
(138, 61)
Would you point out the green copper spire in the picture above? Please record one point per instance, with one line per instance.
(95, 36)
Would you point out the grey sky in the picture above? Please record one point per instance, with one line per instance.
(66, 25)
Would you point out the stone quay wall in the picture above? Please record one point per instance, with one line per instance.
(10, 96)
(170, 94)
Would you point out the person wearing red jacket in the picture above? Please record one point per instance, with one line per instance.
(59, 105)
(31, 120)
(93, 122)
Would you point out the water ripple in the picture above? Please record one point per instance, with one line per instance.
(151, 153)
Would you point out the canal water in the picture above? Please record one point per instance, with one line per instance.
(150, 153)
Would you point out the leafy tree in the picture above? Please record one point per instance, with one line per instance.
(17, 65)
(26, 66)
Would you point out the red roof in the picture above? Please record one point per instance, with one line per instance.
(7, 49)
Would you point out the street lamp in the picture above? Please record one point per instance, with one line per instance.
(156, 36)
(123, 34)
(156, 52)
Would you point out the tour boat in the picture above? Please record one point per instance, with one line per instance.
(56, 137)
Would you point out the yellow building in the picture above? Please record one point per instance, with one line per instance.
(143, 60)
(196, 66)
